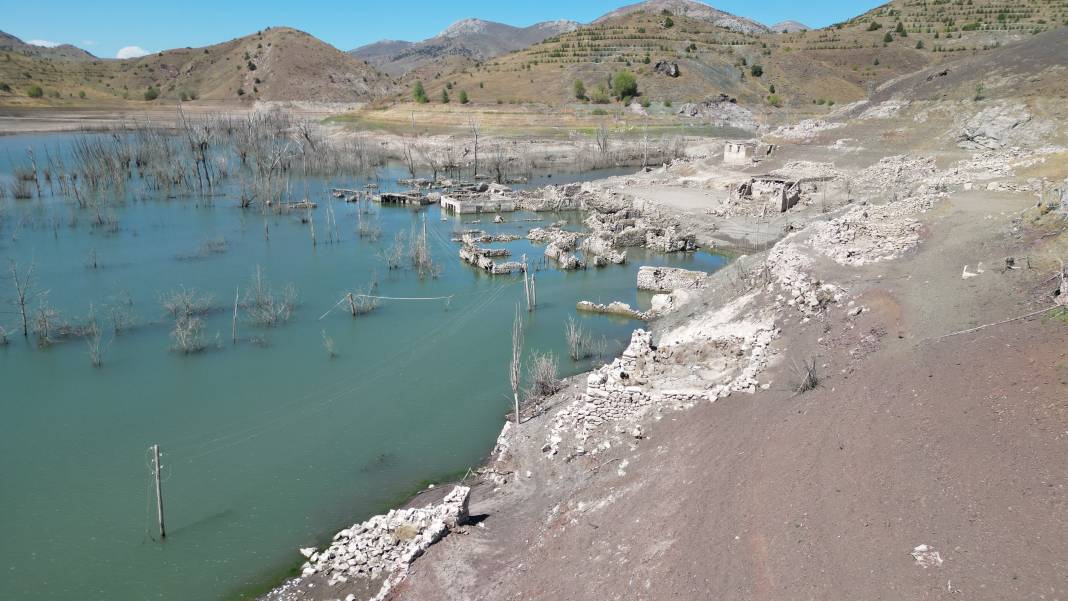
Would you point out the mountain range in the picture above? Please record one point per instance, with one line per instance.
(468, 40)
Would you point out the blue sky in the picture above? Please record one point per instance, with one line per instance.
(104, 28)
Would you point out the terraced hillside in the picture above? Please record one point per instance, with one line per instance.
(276, 64)
(837, 64)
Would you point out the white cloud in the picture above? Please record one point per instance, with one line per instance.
(44, 43)
(131, 52)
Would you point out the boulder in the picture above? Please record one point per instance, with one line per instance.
(666, 68)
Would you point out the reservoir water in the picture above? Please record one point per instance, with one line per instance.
(271, 443)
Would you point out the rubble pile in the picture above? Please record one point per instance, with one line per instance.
(805, 130)
(721, 111)
(799, 170)
(568, 197)
(789, 268)
(385, 545)
(867, 234)
(894, 173)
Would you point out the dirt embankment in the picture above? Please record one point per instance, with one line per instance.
(873, 407)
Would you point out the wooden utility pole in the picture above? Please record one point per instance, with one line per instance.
(526, 282)
(233, 326)
(159, 490)
(533, 291)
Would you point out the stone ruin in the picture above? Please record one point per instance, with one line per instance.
(781, 193)
(744, 153)
(666, 279)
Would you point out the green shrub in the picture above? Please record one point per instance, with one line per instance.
(599, 112)
(463, 97)
(35, 92)
(774, 100)
(419, 93)
(624, 84)
(771, 88)
(756, 70)
(875, 26)
(444, 97)
(579, 89)
(600, 95)
(668, 23)
(919, 44)
(81, 94)
(241, 91)
(4, 87)
(888, 38)
(152, 93)
(667, 103)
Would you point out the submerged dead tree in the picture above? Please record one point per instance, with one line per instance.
(23, 284)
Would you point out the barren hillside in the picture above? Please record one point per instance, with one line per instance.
(460, 45)
(276, 64)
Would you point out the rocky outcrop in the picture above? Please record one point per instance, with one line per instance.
(999, 126)
(667, 68)
(666, 279)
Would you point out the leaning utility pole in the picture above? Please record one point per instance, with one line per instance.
(159, 490)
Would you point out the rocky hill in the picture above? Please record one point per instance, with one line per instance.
(10, 43)
(688, 8)
(789, 27)
(276, 64)
(464, 42)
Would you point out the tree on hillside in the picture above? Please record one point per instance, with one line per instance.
(901, 30)
(463, 97)
(151, 93)
(419, 94)
(35, 92)
(444, 97)
(888, 38)
(756, 70)
(580, 89)
(624, 84)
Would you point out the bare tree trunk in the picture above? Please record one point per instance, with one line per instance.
(23, 286)
(475, 130)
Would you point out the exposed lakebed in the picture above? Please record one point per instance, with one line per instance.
(269, 443)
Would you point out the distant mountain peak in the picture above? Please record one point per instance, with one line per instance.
(693, 10)
(466, 27)
(789, 26)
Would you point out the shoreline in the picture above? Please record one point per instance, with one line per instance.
(832, 287)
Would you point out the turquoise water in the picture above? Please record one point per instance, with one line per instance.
(269, 444)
